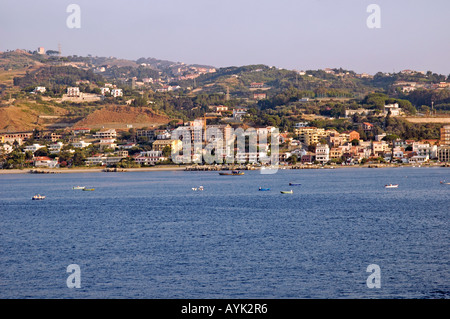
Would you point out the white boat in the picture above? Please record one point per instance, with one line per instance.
(200, 188)
(79, 187)
(391, 186)
(444, 182)
(38, 197)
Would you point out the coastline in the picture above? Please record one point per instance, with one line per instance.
(185, 168)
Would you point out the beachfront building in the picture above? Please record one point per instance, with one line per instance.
(149, 157)
(443, 154)
(322, 153)
(44, 161)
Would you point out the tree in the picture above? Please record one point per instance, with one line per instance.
(167, 151)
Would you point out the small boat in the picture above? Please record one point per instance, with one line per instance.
(200, 188)
(294, 184)
(287, 192)
(264, 189)
(232, 173)
(444, 182)
(391, 186)
(88, 189)
(79, 187)
(38, 197)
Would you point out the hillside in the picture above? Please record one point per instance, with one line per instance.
(118, 116)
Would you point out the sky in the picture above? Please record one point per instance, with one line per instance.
(291, 34)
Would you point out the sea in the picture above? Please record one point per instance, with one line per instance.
(148, 235)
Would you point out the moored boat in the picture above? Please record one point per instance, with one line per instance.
(38, 197)
(264, 189)
(79, 187)
(294, 184)
(232, 173)
(88, 189)
(287, 192)
(444, 182)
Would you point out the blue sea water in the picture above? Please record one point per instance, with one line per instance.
(149, 235)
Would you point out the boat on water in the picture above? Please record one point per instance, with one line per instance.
(38, 197)
(200, 188)
(88, 189)
(287, 192)
(444, 182)
(264, 189)
(232, 173)
(391, 186)
(294, 184)
(79, 187)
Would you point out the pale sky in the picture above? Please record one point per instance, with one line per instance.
(292, 34)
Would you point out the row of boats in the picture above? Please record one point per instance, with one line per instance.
(83, 188)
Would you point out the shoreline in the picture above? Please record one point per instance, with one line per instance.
(46, 171)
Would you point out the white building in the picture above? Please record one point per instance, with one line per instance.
(80, 144)
(322, 153)
(109, 133)
(394, 108)
(40, 89)
(104, 90)
(55, 148)
(33, 148)
(116, 92)
(149, 157)
(44, 161)
(73, 91)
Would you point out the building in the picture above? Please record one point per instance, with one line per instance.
(259, 96)
(116, 92)
(393, 108)
(310, 135)
(362, 112)
(16, 137)
(40, 50)
(379, 148)
(443, 154)
(48, 136)
(80, 144)
(159, 145)
(256, 85)
(33, 148)
(107, 133)
(73, 91)
(40, 89)
(150, 134)
(44, 161)
(149, 157)
(105, 90)
(107, 143)
(445, 135)
(322, 153)
(55, 148)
